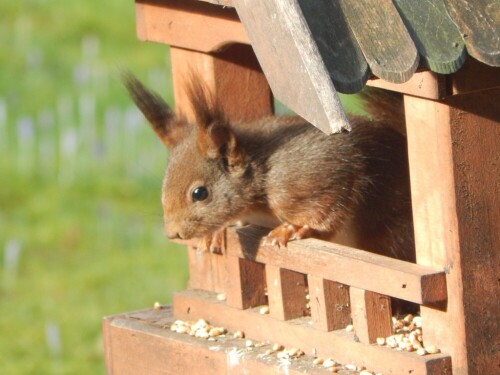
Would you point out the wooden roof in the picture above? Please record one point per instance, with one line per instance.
(309, 50)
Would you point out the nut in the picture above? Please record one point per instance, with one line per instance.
(221, 297)
(157, 306)
(421, 351)
(349, 328)
(380, 341)
(329, 362)
(318, 361)
(264, 310)
(432, 349)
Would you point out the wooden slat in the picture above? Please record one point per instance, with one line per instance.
(474, 76)
(188, 24)
(436, 37)
(206, 271)
(191, 305)
(371, 315)
(423, 84)
(330, 304)
(454, 158)
(348, 266)
(336, 44)
(299, 78)
(383, 38)
(246, 283)
(479, 23)
(286, 291)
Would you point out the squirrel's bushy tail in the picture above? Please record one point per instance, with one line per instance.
(385, 106)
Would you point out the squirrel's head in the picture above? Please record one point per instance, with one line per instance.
(206, 180)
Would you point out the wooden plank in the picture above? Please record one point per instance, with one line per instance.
(371, 315)
(286, 291)
(330, 304)
(350, 266)
(478, 21)
(246, 283)
(474, 76)
(423, 84)
(453, 154)
(278, 28)
(188, 24)
(191, 305)
(233, 75)
(142, 343)
(383, 38)
(436, 37)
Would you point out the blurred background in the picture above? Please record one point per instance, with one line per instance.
(80, 178)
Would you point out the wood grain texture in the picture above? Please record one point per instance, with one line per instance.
(436, 37)
(423, 84)
(453, 153)
(188, 24)
(330, 304)
(141, 343)
(233, 75)
(286, 292)
(371, 315)
(383, 38)
(246, 283)
(292, 61)
(474, 76)
(349, 266)
(298, 333)
(479, 23)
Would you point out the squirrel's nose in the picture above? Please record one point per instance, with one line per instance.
(174, 236)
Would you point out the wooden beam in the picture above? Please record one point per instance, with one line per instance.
(298, 333)
(350, 266)
(246, 283)
(188, 24)
(454, 159)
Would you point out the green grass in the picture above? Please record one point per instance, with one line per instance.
(80, 224)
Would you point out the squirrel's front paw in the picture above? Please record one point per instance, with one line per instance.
(213, 242)
(288, 232)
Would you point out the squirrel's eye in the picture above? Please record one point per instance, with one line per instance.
(199, 194)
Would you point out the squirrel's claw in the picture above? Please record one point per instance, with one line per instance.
(287, 232)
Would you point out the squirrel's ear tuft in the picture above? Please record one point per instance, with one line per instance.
(167, 126)
(215, 138)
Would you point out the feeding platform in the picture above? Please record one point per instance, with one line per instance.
(442, 56)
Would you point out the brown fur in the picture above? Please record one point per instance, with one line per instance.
(285, 168)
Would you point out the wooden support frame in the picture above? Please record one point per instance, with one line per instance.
(453, 152)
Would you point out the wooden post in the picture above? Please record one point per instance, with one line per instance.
(454, 166)
(371, 315)
(235, 78)
(329, 301)
(246, 283)
(286, 292)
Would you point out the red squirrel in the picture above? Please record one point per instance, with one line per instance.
(351, 187)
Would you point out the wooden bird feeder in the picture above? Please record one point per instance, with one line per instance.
(442, 56)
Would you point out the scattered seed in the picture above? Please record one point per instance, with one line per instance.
(249, 343)
(318, 361)
(349, 328)
(157, 306)
(221, 297)
(329, 362)
(277, 347)
(264, 310)
(366, 372)
(239, 335)
(380, 341)
(417, 321)
(182, 329)
(432, 349)
(421, 351)
(350, 367)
